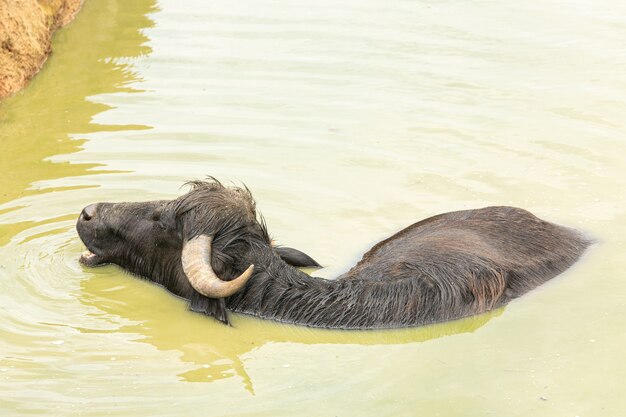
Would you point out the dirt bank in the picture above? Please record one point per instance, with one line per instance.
(26, 28)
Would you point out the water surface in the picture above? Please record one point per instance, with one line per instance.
(348, 122)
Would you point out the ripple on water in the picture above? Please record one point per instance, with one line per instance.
(348, 122)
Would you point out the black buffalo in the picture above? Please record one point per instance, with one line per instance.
(210, 247)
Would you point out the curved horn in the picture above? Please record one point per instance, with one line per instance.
(196, 258)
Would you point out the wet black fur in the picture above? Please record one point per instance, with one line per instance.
(446, 267)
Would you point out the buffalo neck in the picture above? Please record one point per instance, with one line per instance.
(278, 291)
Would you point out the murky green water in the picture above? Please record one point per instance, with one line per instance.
(348, 121)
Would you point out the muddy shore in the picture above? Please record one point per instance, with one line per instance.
(26, 29)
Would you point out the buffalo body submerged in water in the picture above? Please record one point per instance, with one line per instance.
(210, 247)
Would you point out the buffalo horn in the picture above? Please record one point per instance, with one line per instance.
(196, 259)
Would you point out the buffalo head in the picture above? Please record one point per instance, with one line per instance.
(197, 246)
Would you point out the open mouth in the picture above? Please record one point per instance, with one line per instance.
(88, 258)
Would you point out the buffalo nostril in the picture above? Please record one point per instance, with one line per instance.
(88, 212)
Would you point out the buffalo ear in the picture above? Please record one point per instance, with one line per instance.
(213, 307)
(296, 258)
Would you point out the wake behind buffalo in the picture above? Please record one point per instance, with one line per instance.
(210, 247)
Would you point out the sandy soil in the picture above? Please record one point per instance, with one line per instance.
(26, 28)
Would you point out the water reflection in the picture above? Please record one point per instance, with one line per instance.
(216, 351)
(87, 63)
(347, 123)
(48, 119)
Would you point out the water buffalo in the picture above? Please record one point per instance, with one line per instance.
(210, 247)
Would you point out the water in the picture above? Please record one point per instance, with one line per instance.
(348, 122)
